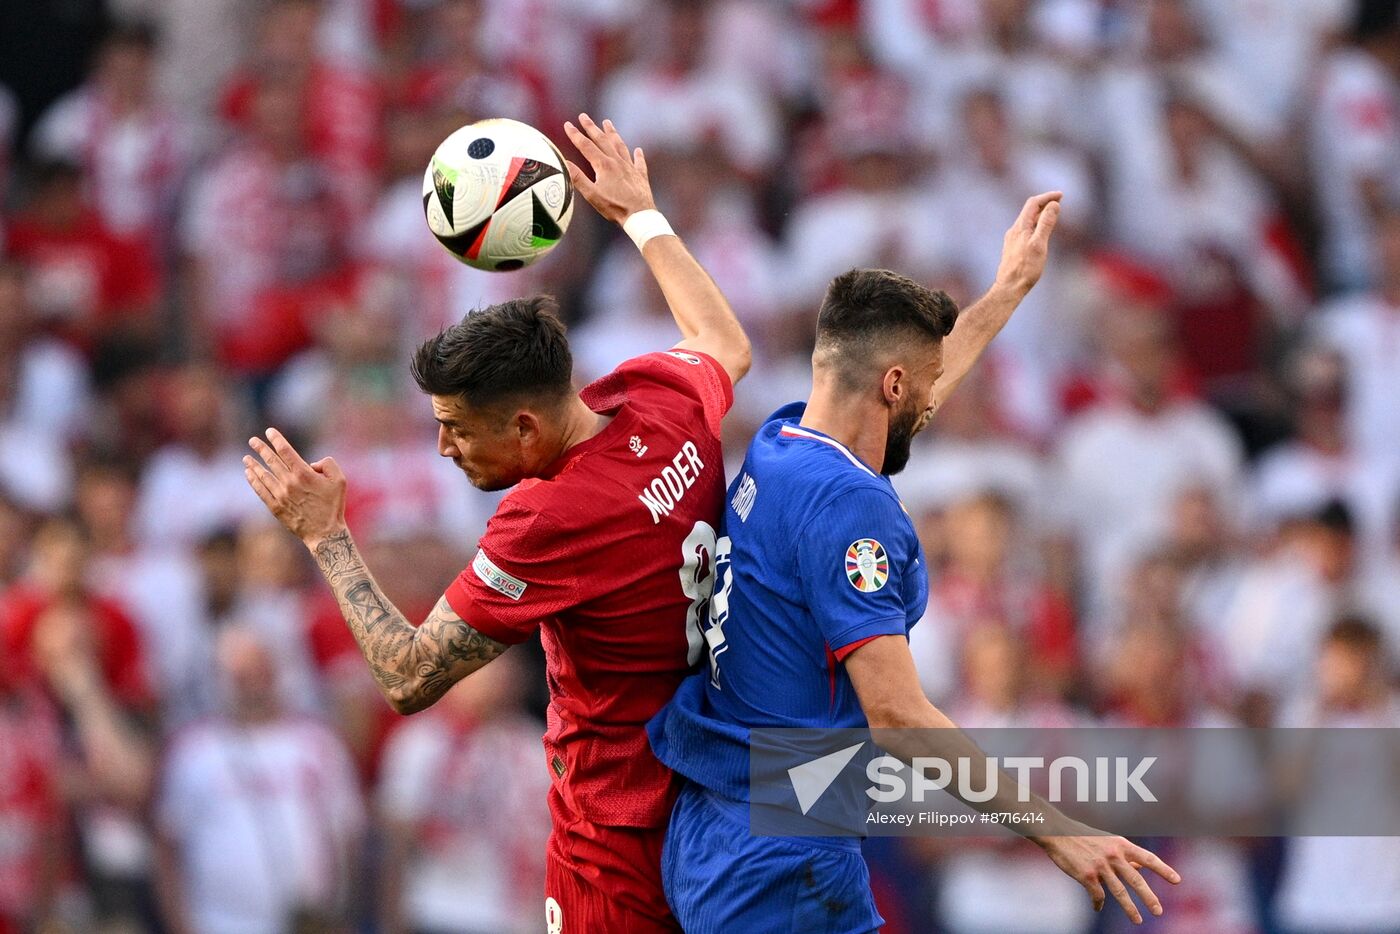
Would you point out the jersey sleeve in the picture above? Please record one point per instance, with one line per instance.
(850, 556)
(522, 575)
(688, 373)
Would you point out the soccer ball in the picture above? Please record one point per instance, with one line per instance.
(497, 195)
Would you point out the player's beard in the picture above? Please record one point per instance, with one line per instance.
(900, 439)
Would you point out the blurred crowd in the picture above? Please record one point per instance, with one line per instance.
(1169, 496)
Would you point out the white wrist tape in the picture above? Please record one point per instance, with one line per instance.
(644, 225)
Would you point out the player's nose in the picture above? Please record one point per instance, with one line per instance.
(445, 445)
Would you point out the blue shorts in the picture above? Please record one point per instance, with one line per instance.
(720, 879)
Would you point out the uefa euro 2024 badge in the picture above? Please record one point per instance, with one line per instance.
(867, 565)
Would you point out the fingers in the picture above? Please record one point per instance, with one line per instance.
(1119, 891)
(328, 468)
(1030, 211)
(1154, 862)
(640, 159)
(1139, 885)
(613, 139)
(271, 458)
(262, 482)
(1045, 224)
(284, 449)
(1095, 893)
(585, 145)
(582, 182)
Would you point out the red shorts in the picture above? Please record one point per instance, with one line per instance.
(604, 880)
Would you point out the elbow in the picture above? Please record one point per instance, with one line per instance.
(741, 357)
(898, 714)
(407, 699)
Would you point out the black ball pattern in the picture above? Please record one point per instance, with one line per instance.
(481, 147)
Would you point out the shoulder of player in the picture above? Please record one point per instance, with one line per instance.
(853, 491)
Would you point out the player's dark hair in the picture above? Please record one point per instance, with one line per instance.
(514, 350)
(866, 311)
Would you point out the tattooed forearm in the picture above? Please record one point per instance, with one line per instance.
(414, 665)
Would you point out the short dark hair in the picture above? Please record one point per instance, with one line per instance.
(517, 349)
(867, 309)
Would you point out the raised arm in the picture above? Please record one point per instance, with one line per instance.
(883, 674)
(1023, 258)
(414, 665)
(621, 189)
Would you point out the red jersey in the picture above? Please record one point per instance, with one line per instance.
(608, 554)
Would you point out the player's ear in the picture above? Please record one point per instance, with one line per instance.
(893, 385)
(527, 427)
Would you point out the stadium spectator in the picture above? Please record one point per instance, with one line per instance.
(85, 282)
(1321, 463)
(1285, 601)
(55, 580)
(463, 805)
(987, 178)
(42, 395)
(108, 773)
(131, 148)
(160, 587)
(31, 809)
(1346, 883)
(336, 105)
(193, 485)
(263, 235)
(259, 811)
(985, 583)
(1365, 330)
(1123, 461)
(996, 885)
(1354, 144)
(674, 97)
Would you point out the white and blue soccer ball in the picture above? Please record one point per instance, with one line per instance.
(497, 195)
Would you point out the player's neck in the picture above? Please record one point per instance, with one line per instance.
(862, 428)
(580, 424)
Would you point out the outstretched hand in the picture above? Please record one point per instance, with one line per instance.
(619, 187)
(1027, 244)
(1107, 865)
(308, 499)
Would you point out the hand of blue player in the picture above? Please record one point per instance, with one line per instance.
(1103, 864)
(1027, 244)
(619, 187)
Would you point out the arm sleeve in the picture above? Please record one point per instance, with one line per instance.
(522, 574)
(851, 556)
(696, 376)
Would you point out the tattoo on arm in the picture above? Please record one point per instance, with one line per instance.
(414, 665)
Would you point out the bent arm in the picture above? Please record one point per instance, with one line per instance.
(414, 665)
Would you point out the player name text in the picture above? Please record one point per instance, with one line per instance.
(664, 492)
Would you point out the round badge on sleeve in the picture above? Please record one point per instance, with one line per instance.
(867, 565)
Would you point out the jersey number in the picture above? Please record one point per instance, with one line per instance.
(704, 562)
(697, 583)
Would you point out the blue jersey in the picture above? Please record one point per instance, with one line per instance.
(816, 554)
